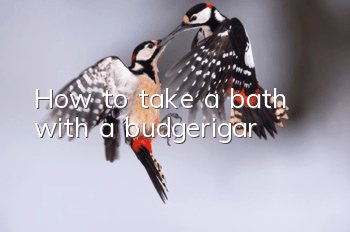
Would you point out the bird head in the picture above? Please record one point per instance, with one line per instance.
(198, 15)
(201, 15)
(147, 54)
(146, 51)
(145, 57)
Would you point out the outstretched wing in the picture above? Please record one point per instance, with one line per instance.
(216, 64)
(90, 87)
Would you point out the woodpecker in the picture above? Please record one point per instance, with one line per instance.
(221, 58)
(111, 74)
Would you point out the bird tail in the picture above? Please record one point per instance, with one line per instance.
(112, 143)
(143, 150)
(264, 117)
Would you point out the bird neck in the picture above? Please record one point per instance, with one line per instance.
(216, 19)
(148, 67)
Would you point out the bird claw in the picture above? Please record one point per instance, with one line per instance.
(164, 130)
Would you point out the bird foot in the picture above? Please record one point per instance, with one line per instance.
(164, 129)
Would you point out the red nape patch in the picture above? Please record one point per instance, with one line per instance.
(140, 141)
(253, 100)
(209, 5)
(133, 57)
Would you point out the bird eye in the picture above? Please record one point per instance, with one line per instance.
(193, 18)
(150, 45)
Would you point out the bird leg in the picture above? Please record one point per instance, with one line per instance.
(164, 129)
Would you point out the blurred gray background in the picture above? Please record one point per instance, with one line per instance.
(299, 181)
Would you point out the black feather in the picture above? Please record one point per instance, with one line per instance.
(112, 143)
(145, 158)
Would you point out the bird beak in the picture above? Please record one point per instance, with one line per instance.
(161, 45)
(182, 27)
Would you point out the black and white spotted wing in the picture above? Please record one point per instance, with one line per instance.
(217, 63)
(108, 74)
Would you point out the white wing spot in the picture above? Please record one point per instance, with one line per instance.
(206, 74)
(87, 78)
(247, 72)
(197, 94)
(222, 34)
(80, 86)
(248, 57)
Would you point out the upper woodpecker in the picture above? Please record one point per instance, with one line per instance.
(111, 74)
(221, 58)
